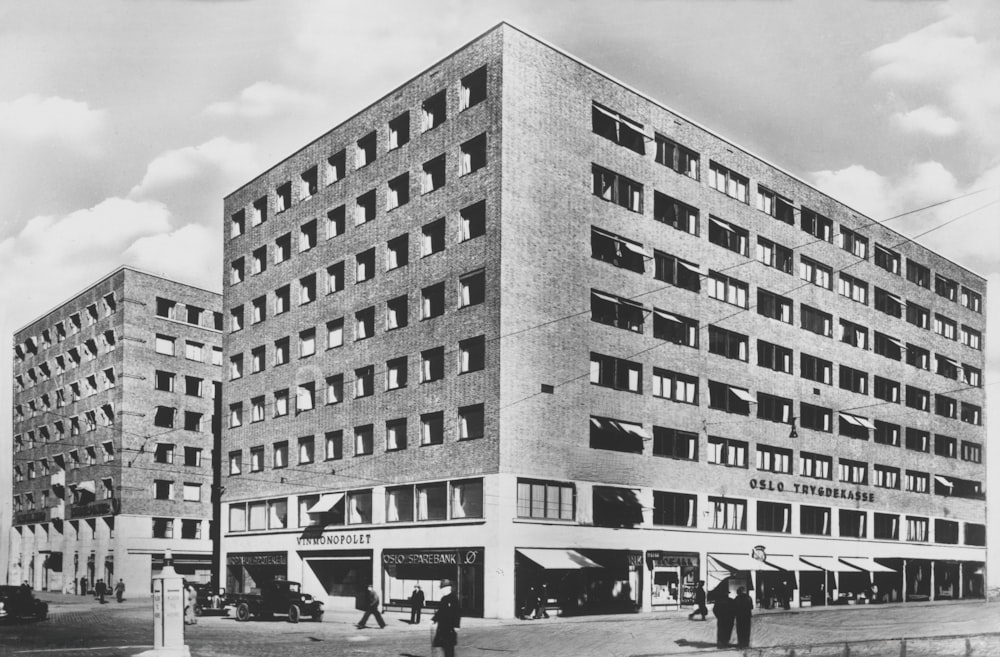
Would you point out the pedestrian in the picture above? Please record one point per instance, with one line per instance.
(416, 605)
(372, 603)
(190, 600)
(448, 618)
(699, 599)
(723, 611)
(100, 589)
(83, 586)
(743, 610)
(120, 589)
(784, 593)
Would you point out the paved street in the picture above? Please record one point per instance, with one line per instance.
(79, 627)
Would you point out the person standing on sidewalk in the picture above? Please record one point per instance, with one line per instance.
(416, 605)
(699, 600)
(101, 590)
(120, 589)
(372, 603)
(83, 586)
(448, 618)
(725, 613)
(743, 610)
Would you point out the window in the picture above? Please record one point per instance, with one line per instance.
(364, 440)
(163, 453)
(473, 220)
(945, 531)
(617, 189)
(434, 111)
(972, 300)
(616, 373)
(945, 406)
(257, 409)
(163, 527)
(918, 398)
(237, 223)
(365, 265)
(164, 381)
(432, 238)
(815, 272)
(774, 255)
(335, 333)
(918, 357)
(675, 509)
(675, 328)
(395, 434)
(281, 403)
(336, 221)
(432, 301)
(236, 415)
(888, 303)
(472, 354)
(916, 529)
(336, 166)
(473, 89)
(618, 128)
(397, 252)
(617, 250)
(675, 444)
(886, 389)
(364, 323)
(887, 259)
(334, 445)
(677, 272)
(773, 408)
(727, 451)
(971, 337)
(917, 315)
(281, 351)
(815, 466)
(432, 428)
(399, 131)
(364, 208)
(853, 472)
(945, 287)
(471, 289)
(615, 311)
(945, 327)
(364, 381)
(307, 289)
(473, 154)
(728, 182)
(774, 459)
(728, 289)
(283, 194)
(774, 517)
(672, 212)
(917, 440)
(853, 380)
(816, 225)
(237, 271)
(972, 452)
(164, 308)
(165, 345)
(971, 414)
(917, 482)
(471, 422)
(853, 243)
(192, 492)
(853, 334)
(396, 313)
(885, 526)
(853, 524)
(724, 397)
(774, 306)
(164, 417)
(728, 343)
(434, 175)
(617, 435)
(775, 205)
(398, 192)
(853, 288)
(545, 499)
(365, 150)
(395, 373)
(335, 389)
(918, 274)
(774, 357)
(884, 476)
(432, 364)
(305, 397)
(728, 513)
(972, 376)
(335, 277)
(975, 534)
(675, 386)
(282, 299)
(728, 236)
(163, 489)
(236, 319)
(945, 446)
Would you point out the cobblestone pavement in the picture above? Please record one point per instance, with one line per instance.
(81, 627)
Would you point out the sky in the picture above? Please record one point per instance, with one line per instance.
(123, 124)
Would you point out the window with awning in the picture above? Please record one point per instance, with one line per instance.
(617, 435)
(557, 559)
(616, 507)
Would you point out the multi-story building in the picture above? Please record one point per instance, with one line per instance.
(520, 326)
(115, 395)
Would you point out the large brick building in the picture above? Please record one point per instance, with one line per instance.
(114, 433)
(518, 325)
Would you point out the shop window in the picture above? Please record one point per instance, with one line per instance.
(774, 517)
(675, 509)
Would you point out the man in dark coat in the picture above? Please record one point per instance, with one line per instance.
(448, 618)
(372, 603)
(784, 593)
(83, 586)
(416, 604)
(743, 610)
(724, 611)
(101, 590)
(699, 601)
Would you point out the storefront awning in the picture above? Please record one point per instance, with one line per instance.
(325, 503)
(556, 559)
(830, 564)
(735, 563)
(867, 563)
(790, 564)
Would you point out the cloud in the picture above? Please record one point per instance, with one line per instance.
(263, 100)
(927, 119)
(189, 254)
(880, 197)
(31, 118)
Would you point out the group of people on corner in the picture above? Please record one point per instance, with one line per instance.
(447, 618)
(728, 611)
(101, 589)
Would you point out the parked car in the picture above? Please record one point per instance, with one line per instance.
(18, 602)
(278, 596)
(210, 602)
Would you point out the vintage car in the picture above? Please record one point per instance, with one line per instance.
(210, 601)
(17, 602)
(276, 597)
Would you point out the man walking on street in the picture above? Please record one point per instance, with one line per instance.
(120, 589)
(372, 609)
(448, 618)
(743, 609)
(699, 600)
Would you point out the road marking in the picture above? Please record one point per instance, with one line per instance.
(25, 652)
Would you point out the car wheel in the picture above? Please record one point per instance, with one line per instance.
(243, 612)
(293, 614)
(318, 616)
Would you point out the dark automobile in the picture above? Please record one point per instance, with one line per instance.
(209, 601)
(19, 602)
(277, 597)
